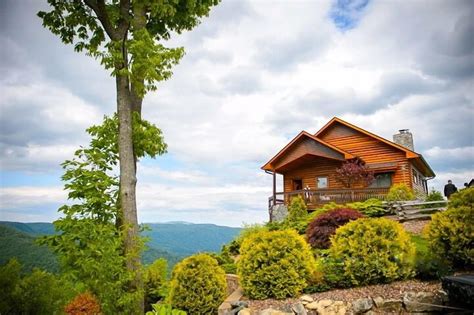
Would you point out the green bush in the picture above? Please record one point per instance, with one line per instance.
(464, 197)
(297, 209)
(434, 196)
(372, 250)
(164, 309)
(247, 231)
(275, 264)
(427, 265)
(198, 285)
(451, 234)
(156, 285)
(372, 207)
(400, 192)
(300, 225)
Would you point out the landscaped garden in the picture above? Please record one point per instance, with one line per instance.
(344, 253)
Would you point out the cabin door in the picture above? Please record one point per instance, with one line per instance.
(297, 184)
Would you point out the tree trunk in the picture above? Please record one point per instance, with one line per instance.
(128, 182)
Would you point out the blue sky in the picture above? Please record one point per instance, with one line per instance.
(254, 75)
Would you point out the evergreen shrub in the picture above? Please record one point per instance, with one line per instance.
(451, 232)
(324, 226)
(83, 304)
(434, 196)
(372, 250)
(275, 264)
(164, 309)
(198, 285)
(156, 285)
(400, 192)
(372, 207)
(297, 209)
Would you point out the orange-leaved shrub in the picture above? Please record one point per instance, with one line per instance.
(83, 304)
(321, 229)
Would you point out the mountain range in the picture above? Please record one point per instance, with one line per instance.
(172, 241)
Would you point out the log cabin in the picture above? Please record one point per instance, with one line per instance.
(308, 164)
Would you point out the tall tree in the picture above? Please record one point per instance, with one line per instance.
(126, 36)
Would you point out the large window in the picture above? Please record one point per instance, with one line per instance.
(382, 180)
(322, 182)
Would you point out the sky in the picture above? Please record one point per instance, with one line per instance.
(254, 75)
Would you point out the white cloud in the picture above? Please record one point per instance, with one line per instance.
(255, 74)
(28, 196)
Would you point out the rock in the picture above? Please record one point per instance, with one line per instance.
(271, 311)
(460, 290)
(239, 303)
(312, 305)
(338, 303)
(342, 310)
(362, 305)
(306, 298)
(325, 303)
(390, 306)
(421, 302)
(279, 213)
(245, 311)
(299, 309)
(378, 301)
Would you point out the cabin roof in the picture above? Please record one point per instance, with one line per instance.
(417, 158)
(303, 134)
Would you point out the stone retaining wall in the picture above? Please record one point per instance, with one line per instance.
(411, 303)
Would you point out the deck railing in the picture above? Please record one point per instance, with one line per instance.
(314, 198)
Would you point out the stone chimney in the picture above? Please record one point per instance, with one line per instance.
(404, 138)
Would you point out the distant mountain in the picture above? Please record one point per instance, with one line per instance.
(184, 238)
(172, 241)
(15, 243)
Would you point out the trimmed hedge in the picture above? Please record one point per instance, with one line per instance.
(198, 285)
(371, 250)
(451, 233)
(400, 192)
(324, 226)
(275, 264)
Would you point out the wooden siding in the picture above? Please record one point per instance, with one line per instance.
(306, 146)
(370, 150)
(308, 173)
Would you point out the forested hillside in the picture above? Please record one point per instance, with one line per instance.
(171, 241)
(14, 243)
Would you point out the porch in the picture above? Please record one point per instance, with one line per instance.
(315, 198)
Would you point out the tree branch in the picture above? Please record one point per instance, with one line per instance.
(98, 6)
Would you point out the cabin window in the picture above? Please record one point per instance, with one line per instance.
(322, 182)
(382, 180)
(415, 177)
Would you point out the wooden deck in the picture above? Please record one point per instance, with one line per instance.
(319, 197)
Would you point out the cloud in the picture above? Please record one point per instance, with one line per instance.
(254, 75)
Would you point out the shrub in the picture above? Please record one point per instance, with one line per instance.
(427, 265)
(275, 264)
(297, 209)
(372, 207)
(464, 197)
(198, 285)
(451, 234)
(400, 192)
(247, 231)
(164, 309)
(372, 250)
(83, 304)
(324, 226)
(434, 196)
(155, 282)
